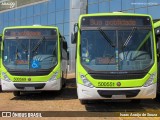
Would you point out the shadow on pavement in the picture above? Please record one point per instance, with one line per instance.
(122, 106)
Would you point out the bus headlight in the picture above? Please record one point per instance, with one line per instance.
(54, 77)
(150, 80)
(6, 78)
(86, 81)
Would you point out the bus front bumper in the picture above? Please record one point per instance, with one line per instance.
(86, 93)
(31, 86)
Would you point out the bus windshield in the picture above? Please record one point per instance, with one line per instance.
(122, 49)
(30, 53)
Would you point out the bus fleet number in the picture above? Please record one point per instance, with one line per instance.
(19, 79)
(108, 84)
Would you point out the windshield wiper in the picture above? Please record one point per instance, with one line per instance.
(24, 47)
(127, 41)
(106, 37)
(129, 37)
(38, 44)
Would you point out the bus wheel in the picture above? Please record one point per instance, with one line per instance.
(0, 88)
(137, 101)
(83, 102)
(16, 93)
(64, 83)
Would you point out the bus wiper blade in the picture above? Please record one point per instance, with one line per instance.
(24, 47)
(105, 36)
(129, 37)
(38, 44)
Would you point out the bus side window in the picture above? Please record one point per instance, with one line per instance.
(74, 38)
(64, 48)
(75, 34)
(158, 44)
(65, 45)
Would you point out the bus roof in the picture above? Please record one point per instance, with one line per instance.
(35, 27)
(21, 27)
(115, 14)
(157, 24)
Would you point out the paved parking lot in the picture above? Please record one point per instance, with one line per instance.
(66, 100)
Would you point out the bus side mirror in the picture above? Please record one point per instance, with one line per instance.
(75, 34)
(64, 48)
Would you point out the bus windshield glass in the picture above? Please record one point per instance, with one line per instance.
(30, 49)
(107, 47)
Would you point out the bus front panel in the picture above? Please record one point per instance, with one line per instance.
(116, 57)
(31, 59)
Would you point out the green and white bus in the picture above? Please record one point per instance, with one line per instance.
(115, 57)
(157, 35)
(34, 58)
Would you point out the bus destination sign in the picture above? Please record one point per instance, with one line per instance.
(114, 21)
(30, 32)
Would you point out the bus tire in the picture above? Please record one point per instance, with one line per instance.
(158, 86)
(158, 79)
(137, 101)
(16, 93)
(0, 88)
(83, 102)
(64, 85)
(63, 81)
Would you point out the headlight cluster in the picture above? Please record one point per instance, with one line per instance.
(6, 78)
(150, 80)
(86, 81)
(54, 77)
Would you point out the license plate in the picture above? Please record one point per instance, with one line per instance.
(29, 88)
(118, 96)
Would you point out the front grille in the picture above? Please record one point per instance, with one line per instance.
(109, 93)
(35, 72)
(118, 76)
(29, 73)
(36, 86)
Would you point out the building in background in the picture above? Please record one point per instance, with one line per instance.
(151, 7)
(64, 13)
